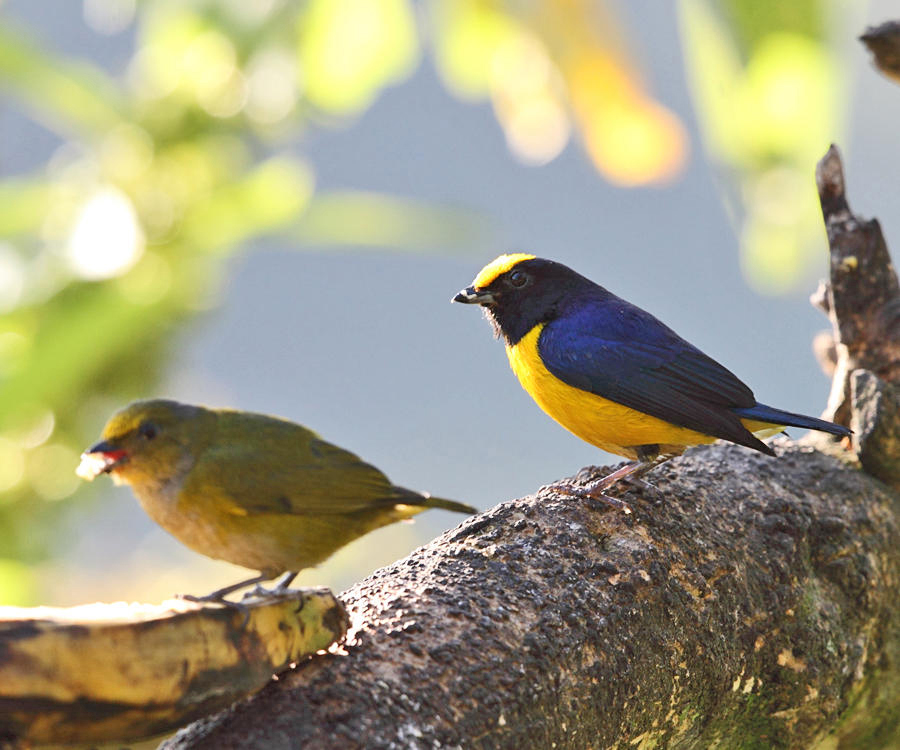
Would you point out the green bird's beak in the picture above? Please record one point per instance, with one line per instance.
(472, 296)
(99, 459)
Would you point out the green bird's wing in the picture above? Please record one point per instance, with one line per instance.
(260, 464)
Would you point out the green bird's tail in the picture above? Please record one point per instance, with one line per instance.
(427, 501)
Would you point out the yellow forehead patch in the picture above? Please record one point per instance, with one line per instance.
(130, 417)
(121, 423)
(487, 275)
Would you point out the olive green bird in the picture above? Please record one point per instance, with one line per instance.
(255, 490)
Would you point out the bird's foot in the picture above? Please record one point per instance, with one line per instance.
(218, 596)
(595, 497)
(281, 585)
(597, 491)
(215, 598)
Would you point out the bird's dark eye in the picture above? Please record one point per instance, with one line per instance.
(147, 430)
(518, 278)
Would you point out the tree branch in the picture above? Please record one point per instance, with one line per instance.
(746, 600)
(862, 299)
(883, 42)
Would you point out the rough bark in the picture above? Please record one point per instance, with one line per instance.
(883, 42)
(747, 602)
(862, 299)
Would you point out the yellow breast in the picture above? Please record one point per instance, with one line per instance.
(610, 426)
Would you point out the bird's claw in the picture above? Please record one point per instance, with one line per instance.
(280, 587)
(216, 598)
(594, 496)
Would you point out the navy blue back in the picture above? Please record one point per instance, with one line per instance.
(602, 344)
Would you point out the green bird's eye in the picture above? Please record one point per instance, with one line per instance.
(518, 278)
(147, 430)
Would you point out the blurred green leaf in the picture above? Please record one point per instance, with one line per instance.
(377, 220)
(25, 203)
(753, 21)
(769, 91)
(69, 97)
(265, 200)
(16, 583)
(467, 35)
(78, 334)
(350, 49)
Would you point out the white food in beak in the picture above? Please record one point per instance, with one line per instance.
(92, 465)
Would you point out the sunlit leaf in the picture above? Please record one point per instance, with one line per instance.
(377, 220)
(350, 49)
(529, 98)
(67, 96)
(632, 139)
(768, 89)
(268, 198)
(467, 37)
(24, 203)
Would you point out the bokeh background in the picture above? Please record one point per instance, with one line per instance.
(269, 204)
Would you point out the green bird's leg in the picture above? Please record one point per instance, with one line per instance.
(281, 585)
(219, 594)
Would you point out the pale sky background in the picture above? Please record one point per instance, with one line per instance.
(363, 345)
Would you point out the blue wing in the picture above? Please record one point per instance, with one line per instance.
(615, 350)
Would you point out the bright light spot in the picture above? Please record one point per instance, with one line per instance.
(107, 239)
(273, 89)
(537, 130)
(525, 88)
(109, 16)
(209, 62)
(209, 69)
(12, 277)
(226, 100)
(37, 430)
(521, 66)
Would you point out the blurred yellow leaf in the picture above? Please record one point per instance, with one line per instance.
(632, 139)
(350, 49)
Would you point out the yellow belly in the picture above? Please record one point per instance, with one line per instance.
(608, 425)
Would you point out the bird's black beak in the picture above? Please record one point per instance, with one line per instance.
(100, 458)
(104, 446)
(472, 296)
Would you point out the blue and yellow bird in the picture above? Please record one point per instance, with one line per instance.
(612, 373)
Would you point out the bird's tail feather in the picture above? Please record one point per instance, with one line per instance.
(441, 502)
(763, 413)
(416, 502)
